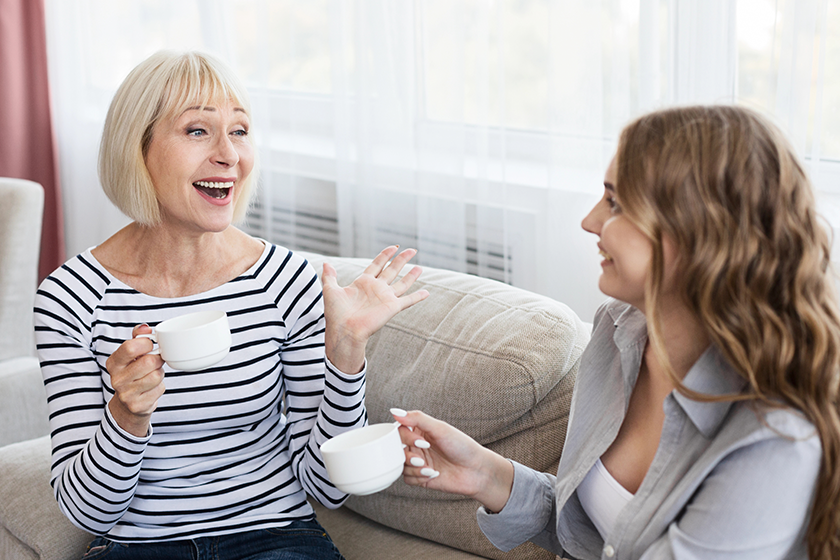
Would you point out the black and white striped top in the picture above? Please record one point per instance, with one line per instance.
(232, 447)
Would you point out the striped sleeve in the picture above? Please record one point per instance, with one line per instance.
(95, 464)
(321, 402)
(231, 447)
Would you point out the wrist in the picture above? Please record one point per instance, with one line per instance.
(346, 354)
(135, 425)
(495, 490)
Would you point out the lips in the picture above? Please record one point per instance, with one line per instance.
(605, 255)
(214, 189)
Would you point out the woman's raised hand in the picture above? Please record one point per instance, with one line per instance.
(137, 380)
(441, 457)
(355, 312)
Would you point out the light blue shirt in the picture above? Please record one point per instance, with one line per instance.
(727, 481)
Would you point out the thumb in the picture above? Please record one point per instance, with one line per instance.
(329, 277)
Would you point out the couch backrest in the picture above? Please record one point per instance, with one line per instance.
(495, 361)
(20, 243)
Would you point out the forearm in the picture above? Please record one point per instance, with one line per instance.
(95, 483)
(337, 406)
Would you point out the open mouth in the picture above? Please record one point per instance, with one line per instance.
(604, 255)
(214, 189)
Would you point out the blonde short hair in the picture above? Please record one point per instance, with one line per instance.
(160, 87)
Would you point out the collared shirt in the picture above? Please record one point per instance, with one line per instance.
(727, 481)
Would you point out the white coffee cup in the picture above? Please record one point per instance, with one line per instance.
(365, 460)
(192, 342)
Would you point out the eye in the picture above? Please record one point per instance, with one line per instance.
(615, 207)
(197, 132)
(241, 132)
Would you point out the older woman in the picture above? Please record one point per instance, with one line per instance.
(164, 463)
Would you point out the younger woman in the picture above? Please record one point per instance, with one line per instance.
(705, 418)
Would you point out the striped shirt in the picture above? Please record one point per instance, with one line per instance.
(232, 447)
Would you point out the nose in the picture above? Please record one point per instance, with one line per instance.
(225, 153)
(593, 221)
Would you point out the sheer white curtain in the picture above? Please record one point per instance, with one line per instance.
(475, 130)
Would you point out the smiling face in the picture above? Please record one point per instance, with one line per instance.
(626, 250)
(197, 161)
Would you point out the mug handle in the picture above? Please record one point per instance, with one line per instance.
(153, 338)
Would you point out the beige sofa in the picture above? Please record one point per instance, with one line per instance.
(495, 361)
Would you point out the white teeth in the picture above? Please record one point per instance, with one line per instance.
(605, 255)
(214, 185)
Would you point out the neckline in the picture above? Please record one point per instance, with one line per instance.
(113, 281)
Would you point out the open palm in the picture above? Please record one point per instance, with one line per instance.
(353, 313)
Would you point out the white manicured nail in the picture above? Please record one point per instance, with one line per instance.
(422, 444)
(398, 412)
(431, 473)
(417, 461)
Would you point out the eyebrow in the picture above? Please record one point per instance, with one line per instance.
(208, 108)
(609, 186)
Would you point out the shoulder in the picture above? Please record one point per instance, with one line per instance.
(81, 275)
(285, 274)
(780, 443)
(789, 427)
(277, 258)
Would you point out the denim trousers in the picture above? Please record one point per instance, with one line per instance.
(300, 540)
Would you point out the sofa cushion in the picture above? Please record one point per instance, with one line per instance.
(23, 401)
(28, 511)
(497, 362)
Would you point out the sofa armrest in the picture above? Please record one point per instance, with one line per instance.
(23, 401)
(31, 523)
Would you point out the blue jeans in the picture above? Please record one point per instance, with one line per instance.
(300, 540)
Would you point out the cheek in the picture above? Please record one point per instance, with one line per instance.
(247, 157)
(631, 250)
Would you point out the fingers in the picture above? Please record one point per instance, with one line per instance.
(387, 272)
(402, 285)
(378, 264)
(411, 299)
(419, 459)
(131, 349)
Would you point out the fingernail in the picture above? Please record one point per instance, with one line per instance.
(431, 473)
(404, 446)
(422, 444)
(398, 412)
(417, 461)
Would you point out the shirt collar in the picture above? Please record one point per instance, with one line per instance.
(710, 375)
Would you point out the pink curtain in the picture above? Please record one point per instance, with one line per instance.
(27, 143)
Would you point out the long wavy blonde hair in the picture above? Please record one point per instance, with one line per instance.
(724, 184)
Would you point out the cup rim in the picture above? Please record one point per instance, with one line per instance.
(167, 324)
(327, 446)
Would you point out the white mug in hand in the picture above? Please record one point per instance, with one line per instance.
(192, 342)
(365, 460)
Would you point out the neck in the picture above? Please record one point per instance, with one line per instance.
(683, 337)
(160, 263)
